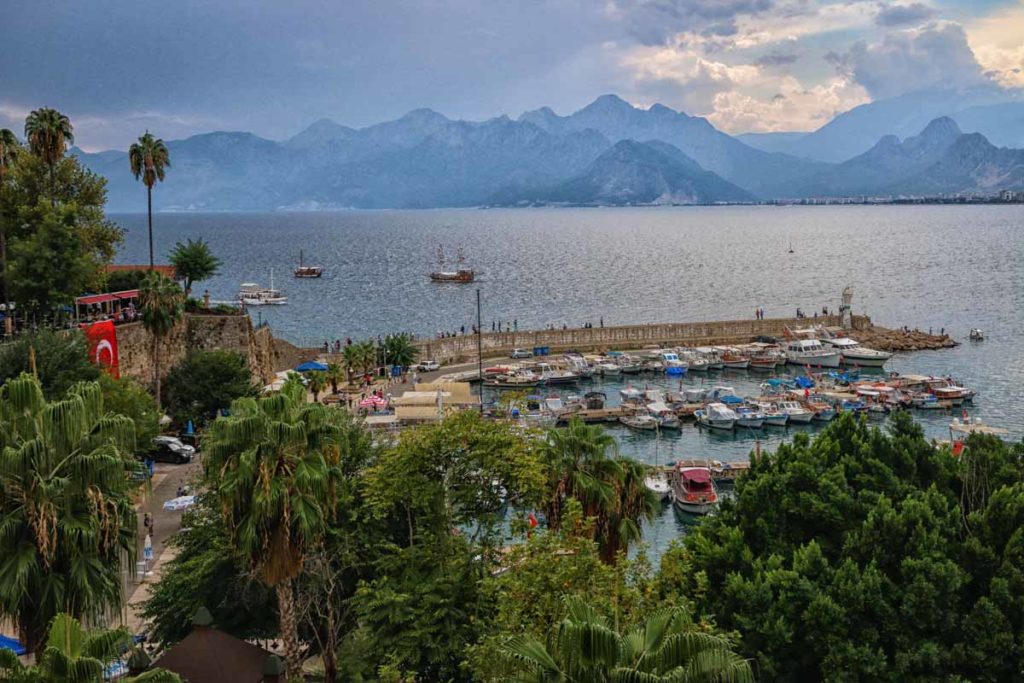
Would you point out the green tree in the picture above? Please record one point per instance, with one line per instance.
(351, 360)
(49, 133)
(273, 464)
(366, 352)
(335, 374)
(206, 382)
(67, 512)
(316, 382)
(162, 302)
(399, 350)
(611, 489)
(193, 262)
(126, 396)
(124, 280)
(149, 160)
(74, 655)
(10, 149)
(61, 360)
(585, 648)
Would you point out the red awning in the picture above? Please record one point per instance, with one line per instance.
(696, 475)
(104, 298)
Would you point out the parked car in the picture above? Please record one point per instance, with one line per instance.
(429, 366)
(169, 449)
(521, 353)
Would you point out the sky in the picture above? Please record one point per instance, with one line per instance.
(119, 67)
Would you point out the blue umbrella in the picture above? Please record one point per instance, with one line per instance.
(311, 366)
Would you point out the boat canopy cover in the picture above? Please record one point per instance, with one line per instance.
(804, 382)
(696, 474)
(776, 382)
(657, 407)
(731, 400)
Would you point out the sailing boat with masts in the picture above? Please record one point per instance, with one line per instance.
(307, 271)
(460, 274)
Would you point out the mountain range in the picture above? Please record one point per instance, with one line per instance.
(607, 153)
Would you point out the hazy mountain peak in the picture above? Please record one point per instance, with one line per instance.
(942, 128)
(661, 110)
(608, 104)
(424, 115)
(319, 132)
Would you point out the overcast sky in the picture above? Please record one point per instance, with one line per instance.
(120, 66)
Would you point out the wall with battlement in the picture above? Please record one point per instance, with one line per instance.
(453, 349)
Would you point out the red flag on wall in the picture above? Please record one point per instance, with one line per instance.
(102, 338)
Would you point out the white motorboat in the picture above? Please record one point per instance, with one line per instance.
(852, 353)
(641, 421)
(251, 294)
(795, 412)
(694, 362)
(579, 365)
(552, 375)
(717, 416)
(710, 356)
(664, 415)
(608, 369)
(695, 394)
(749, 418)
(773, 417)
(811, 352)
(977, 334)
(672, 364)
(693, 490)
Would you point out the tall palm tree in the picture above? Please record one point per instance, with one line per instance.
(67, 514)
(316, 381)
(273, 465)
(74, 655)
(48, 133)
(399, 350)
(367, 355)
(584, 648)
(610, 489)
(10, 148)
(161, 302)
(351, 359)
(149, 159)
(335, 373)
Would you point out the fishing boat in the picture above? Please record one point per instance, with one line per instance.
(749, 418)
(664, 415)
(631, 395)
(519, 379)
(251, 294)
(711, 357)
(694, 490)
(629, 365)
(579, 365)
(641, 421)
(305, 271)
(773, 416)
(657, 483)
(733, 359)
(694, 362)
(717, 416)
(852, 353)
(796, 413)
(608, 369)
(551, 375)
(460, 274)
(811, 352)
(672, 364)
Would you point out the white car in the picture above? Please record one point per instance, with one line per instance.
(521, 353)
(429, 366)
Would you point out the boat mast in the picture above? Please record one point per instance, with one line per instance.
(300, 258)
(440, 257)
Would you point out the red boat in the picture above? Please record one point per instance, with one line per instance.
(694, 490)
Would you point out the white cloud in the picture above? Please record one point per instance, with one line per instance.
(998, 43)
(792, 107)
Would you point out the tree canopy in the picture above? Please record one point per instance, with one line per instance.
(205, 382)
(193, 262)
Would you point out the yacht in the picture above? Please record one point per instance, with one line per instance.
(694, 490)
(251, 294)
(811, 352)
(717, 416)
(304, 271)
(852, 353)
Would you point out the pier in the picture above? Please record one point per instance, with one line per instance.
(463, 348)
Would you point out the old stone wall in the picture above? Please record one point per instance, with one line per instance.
(198, 333)
(622, 337)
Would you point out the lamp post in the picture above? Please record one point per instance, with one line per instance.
(479, 351)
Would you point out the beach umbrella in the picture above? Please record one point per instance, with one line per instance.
(180, 503)
(311, 366)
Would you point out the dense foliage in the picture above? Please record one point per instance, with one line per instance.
(61, 360)
(864, 555)
(204, 383)
(193, 262)
(162, 303)
(67, 514)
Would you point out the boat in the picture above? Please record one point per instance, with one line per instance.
(717, 416)
(672, 364)
(579, 365)
(594, 400)
(811, 352)
(927, 401)
(629, 365)
(657, 483)
(711, 357)
(251, 294)
(460, 274)
(664, 415)
(694, 362)
(641, 421)
(552, 376)
(773, 416)
(631, 395)
(305, 271)
(946, 389)
(733, 359)
(608, 369)
(795, 413)
(519, 379)
(852, 353)
(694, 490)
(749, 418)
(823, 412)
(977, 334)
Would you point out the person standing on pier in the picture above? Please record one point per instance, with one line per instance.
(515, 324)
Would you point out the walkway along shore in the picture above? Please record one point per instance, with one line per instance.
(463, 348)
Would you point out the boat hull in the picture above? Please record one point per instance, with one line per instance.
(864, 361)
(827, 360)
(694, 508)
(724, 425)
(750, 422)
(776, 420)
(800, 418)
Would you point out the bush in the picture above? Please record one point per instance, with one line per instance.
(122, 280)
(204, 383)
(126, 396)
(62, 358)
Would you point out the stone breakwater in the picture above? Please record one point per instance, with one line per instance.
(885, 339)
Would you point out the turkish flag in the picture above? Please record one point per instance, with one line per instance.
(102, 338)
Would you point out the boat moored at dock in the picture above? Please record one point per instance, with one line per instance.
(694, 490)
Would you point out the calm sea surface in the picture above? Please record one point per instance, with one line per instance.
(952, 267)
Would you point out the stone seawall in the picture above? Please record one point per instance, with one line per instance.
(464, 348)
(198, 333)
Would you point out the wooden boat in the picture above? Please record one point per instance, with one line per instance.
(796, 413)
(304, 271)
(694, 490)
(461, 274)
(717, 416)
(773, 416)
(514, 380)
(642, 422)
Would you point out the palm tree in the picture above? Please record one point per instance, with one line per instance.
(584, 648)
(273, 466)
(149, 159)
(399, 350)
(351, 358)
(10, 148)
(193, 261)
(316, 381)
(367, 351)
(610, 489)
(48, 133)
(74, 655)
(161, 305)
(67, 514)
(335, 373)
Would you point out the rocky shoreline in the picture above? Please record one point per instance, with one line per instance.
(885, 339)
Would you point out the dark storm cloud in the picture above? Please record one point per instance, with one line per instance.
(655, 21)
(904, 15)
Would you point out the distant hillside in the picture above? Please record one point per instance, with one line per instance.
(425, 159)
(637, 173)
